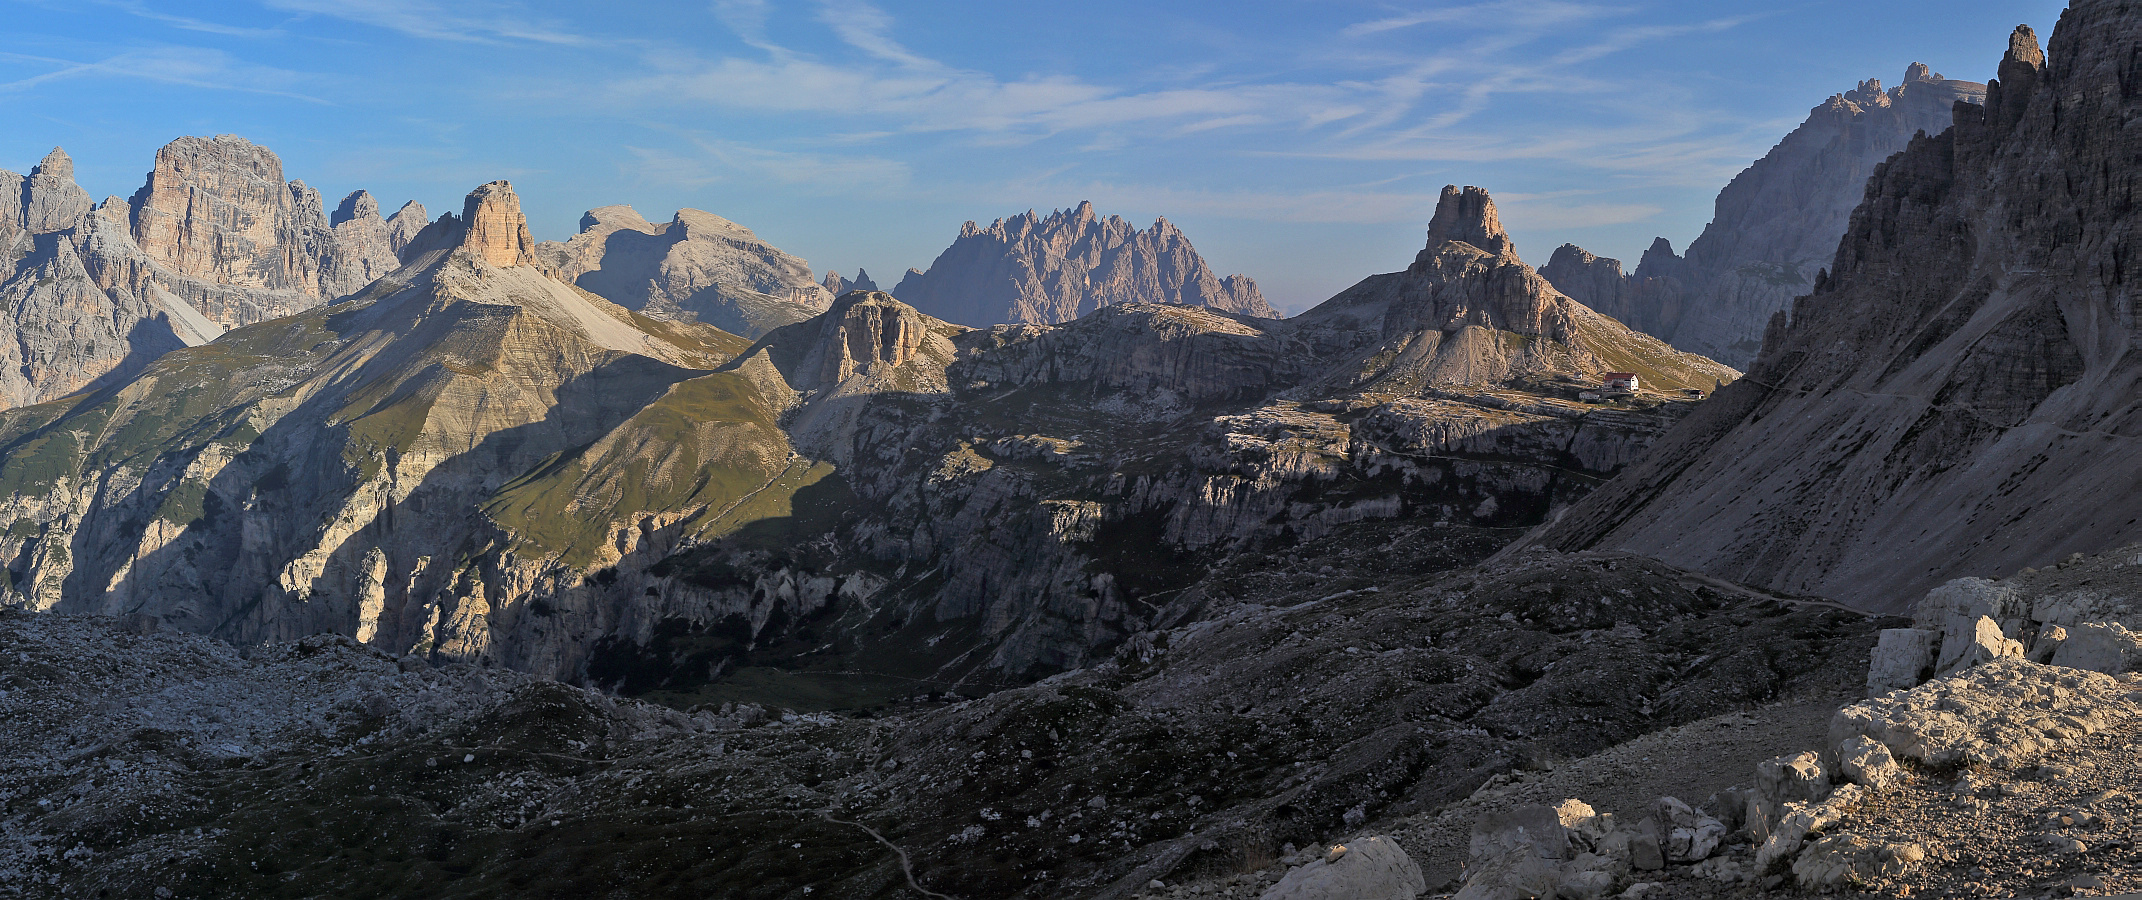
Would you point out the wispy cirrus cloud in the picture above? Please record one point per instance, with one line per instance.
(192, 67)
(465, 22)
(1533, 15)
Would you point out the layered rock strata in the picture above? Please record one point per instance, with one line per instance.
(1959, 394)
(215, 239)
(1030, 269)
(1776, 224)
(696, 267)
(1017, 499)
(412, 467)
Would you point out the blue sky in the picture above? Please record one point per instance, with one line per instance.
(1301, 142)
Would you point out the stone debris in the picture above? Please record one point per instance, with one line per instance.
(2099, 647)
(2003, 713)
(1369, 868)
(1904, 658)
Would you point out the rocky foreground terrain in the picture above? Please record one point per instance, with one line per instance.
(1045, 270)
(1344, 691)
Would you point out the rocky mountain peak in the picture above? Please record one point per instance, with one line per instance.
(836, 285)
(1467, 215)
(1047, 270)
(1777, 224)
(56, 164)
(1954, 397)
(51, 201)
(406, 224)
(497, 231)
(358, 205)
(2007, 97)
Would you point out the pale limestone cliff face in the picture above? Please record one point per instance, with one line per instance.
(364, 246)
(230, 243)
(1029, 269)
(696, 267)
(51, 201)
(1959, 396)
(413, 466)
(497, 232)
(1776, 224)
(405, 225)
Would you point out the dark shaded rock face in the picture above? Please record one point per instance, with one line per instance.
(1305, 704)
(1776, 224)
(1033, 270)
(1960, 396)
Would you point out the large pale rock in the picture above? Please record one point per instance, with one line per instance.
(1983, 644)
(2005, 713)
(1903, 658)
(1793, 778)
(1845, 860)
(1867, 762)
(1788, 834)
(1373, 868)
(1685, 835)
(1908, 421)
(2100, 647)
(1031, 269)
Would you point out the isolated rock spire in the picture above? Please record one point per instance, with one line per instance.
(497, 231)
(1468, 215)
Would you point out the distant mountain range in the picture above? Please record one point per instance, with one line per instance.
(1031, 269)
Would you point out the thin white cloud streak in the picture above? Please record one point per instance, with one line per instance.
(1534, 14)
(188, 23)
(715, 161)
(464, 23)
(183, 66)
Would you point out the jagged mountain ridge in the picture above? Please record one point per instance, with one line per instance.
(1031, 269)
(836, 285)
(1960, 395)
(474, 460)
(215, 239)
(403, 467)
(696, 267)
(1776, 224)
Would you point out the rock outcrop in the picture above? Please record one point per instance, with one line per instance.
(467, 400)
(1776, 224)
(218, 211)
(1034, 270)
(1469, 311)
(696, 267)
(836, 285)
(228, 242)
(1958, 395)
(649, 502)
